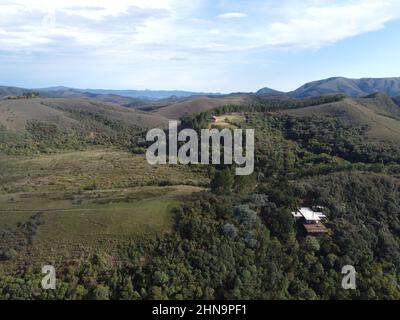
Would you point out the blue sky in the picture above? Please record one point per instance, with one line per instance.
(202, 45)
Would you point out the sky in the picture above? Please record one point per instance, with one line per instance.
(197, 45)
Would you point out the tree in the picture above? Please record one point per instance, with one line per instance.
(229, 231)
(278, 220)
(245, 184)
(311, 244)
(100, 292)
(246, 216)
(222, 182)
(160, 278)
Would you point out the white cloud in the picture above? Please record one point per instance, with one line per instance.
(171, 25)
(185, 38)
(232, 15)
(318, 25)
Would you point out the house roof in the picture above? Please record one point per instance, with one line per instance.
(296, 214)
(311, 215)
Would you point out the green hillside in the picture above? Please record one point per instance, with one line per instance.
(377, 112)
(46, 125)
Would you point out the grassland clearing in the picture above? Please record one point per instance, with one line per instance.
(90, 170)
(230, 121)
(88, 201)
(76, 225)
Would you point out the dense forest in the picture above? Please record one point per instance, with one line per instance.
(247, 246)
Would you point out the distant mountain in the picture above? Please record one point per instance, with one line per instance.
(269, 91)
(140, 94)
(63, 92)
(350, 87)
(11, 91)
(151, 100)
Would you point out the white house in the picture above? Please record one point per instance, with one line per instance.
(312, 220)
(311, 216)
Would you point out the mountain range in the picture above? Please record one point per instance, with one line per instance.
(349, 87)
(174, 106)
(138, 94)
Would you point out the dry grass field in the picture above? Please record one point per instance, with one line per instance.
(88, 201)
(88, 170)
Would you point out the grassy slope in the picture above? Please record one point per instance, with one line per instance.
(381, 104)
(90, 200)
(111, 111)
(14, 114)
(107, 169)
(72, 230)
(382, 127)
(199, 104)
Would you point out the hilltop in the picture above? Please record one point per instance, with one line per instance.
(269, 91)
